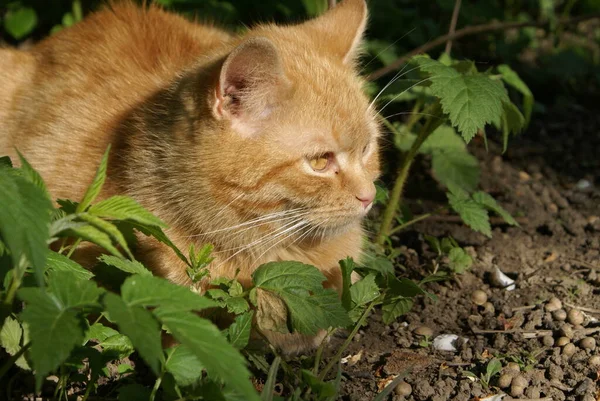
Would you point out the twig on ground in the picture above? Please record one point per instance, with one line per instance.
(582, 308)
(526, 307)
(453, 25)
(467, 31)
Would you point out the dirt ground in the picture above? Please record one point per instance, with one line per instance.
(549, 324)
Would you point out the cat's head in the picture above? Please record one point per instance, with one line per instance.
(297, 135)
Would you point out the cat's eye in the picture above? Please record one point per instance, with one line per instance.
(320, 162)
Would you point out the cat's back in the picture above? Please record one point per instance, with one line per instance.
(67, 93)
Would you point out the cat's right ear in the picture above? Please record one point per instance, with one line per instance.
(250, 83)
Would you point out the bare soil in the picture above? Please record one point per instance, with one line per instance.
(549, 179)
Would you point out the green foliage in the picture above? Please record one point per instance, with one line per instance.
(493, 368)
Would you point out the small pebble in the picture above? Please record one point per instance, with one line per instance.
(423, 331)
(562, 341)
(588, 343)
(594, 360)
(569, 350)
(548, 341)
(583, 185)
(512, 368)
(488, 308)
(560, 315)
(504, 380)
(553, 304)
(552, 208)
(403, 389)
(523, 176)
(479, 297)
(518, 385)
(566, 330)
(575, 317)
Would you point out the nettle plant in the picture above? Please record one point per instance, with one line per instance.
(452, 103)
(58, 318)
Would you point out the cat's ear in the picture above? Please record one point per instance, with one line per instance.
(250, 83)
(340, 30)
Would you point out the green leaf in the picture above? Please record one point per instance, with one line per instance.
(71, 291)
(108, 228)
(459, 260)
(158, 233)
(24, 221)
(54, 330)
(512, 78)
(383, 266)
(11, 337)
(490, 203)
(321, 389)
(456, 168)
(471, 101)
(58, 262)
(365, 290)
(140, 326)
(128, 266)
(99, 332)
(33, 176)
(184, 365)
(294, 282)
(394, 309)
(125, 208)
(239, 331)
(148, 290)
(220, 359)
(96, 186)
(118, 344)
(513, 122)
(471, 212)
(347, 265)
(94, 235)
(236, 305)
(20, 22)
(493, 367)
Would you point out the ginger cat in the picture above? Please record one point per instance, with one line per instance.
(263, 144)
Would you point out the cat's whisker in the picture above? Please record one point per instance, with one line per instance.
(392, 44)
(301, 224)
(403, 92)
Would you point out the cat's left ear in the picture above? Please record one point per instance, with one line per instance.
(251, 83)
(340, 30)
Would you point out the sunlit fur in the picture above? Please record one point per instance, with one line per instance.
(218, 149)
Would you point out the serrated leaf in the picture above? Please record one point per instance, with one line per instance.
(100, 332)
(365, 290)
(24, 221)
(239, 331)
(184, 365)
(32, 175)
(455, 168)
(471, 212)
(58, 262)
(220, 359)
(125, 208)
(159, 235)
(54, 330)
(300, 286)
(490, 203)
(128, 266)
(471, 101)
(236, 305)
(396, 308)
(383, 266)
(20, 22)
(151, 291)
(512, 78)
(320, 388)
(108, 228)
(94, 235)
(96, 186)
(71, 291)
(119, 345)
(141, 328)
(10, 339)
(459, 260)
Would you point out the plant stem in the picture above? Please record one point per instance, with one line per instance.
(319, 353)
(73, 247)
(430, 125)
(453, 25)
(410, 223)
(10, 362)
(157, 384)
(346, 343)
(470, 30)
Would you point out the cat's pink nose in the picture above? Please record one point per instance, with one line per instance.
(366, 199)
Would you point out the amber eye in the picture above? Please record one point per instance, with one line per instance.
(321, 162)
